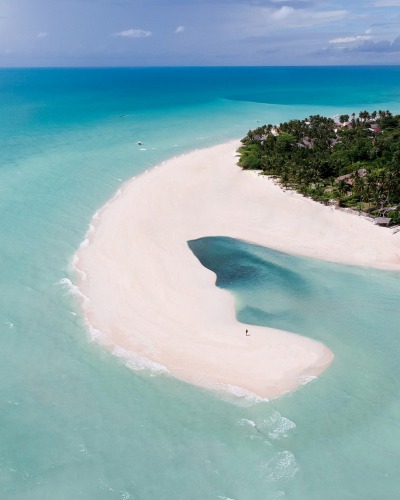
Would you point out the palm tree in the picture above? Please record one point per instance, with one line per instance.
(367, 191)
(358, 184)
(391, 183)
(343, 187)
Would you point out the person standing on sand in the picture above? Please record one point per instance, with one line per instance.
(247, 333)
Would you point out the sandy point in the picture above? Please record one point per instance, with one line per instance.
(156, 304)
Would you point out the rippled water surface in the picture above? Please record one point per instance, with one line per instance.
(76, 422)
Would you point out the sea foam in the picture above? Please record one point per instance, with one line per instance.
(282, 466)
(72, 289)
(276, 426)
(239, 392)
(138, 363)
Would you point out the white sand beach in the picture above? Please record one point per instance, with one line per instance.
(151, 299)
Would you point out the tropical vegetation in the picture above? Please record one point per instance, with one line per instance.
(350, 161)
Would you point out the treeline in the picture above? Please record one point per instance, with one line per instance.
(352, 161)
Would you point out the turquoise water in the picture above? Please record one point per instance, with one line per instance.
(75, 422)
(347, 422)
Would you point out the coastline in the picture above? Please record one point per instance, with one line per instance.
(156, 306)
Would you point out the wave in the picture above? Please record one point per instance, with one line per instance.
(276, 426)
(238, 392)
(306, 379)
(137, 362)
(246, 421)
(282, 466)
(72, 289)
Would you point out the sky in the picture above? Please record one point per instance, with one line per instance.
(198, 32)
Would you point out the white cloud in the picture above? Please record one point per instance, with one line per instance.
(133, 33)
(180, 29)
(250, 22)
(304, 18)
(350, 39)
(42, 35)
(330, 15)
(282, 13)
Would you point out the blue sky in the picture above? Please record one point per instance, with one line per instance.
(198, 32)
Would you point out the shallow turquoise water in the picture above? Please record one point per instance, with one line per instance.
(75, 422)
(347, 425)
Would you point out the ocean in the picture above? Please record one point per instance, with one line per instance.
(76, 423)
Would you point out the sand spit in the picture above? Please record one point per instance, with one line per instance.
(152, 300)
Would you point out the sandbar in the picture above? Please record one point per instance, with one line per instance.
(149, 300)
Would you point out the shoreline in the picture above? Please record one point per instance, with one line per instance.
(158, 307)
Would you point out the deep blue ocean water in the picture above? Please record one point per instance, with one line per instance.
(75, 422)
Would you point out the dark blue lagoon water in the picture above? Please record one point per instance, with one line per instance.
(76, 422)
